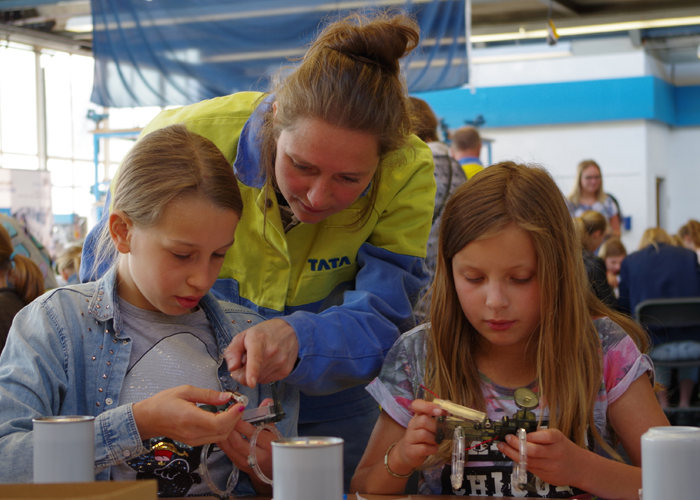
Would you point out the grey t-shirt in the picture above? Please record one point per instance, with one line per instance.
(170, 351)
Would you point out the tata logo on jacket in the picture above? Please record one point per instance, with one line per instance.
(323, 264)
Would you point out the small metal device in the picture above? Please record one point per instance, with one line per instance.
(464, 425)
(262, 418)
(478, 427)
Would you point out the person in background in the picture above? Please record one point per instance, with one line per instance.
(613, 252)
(21, 282)
(511, 309)
(27, 245)
(660, 270)
(690, 233)
(591, 226)
(68, 264)
(339, 200)
(448, 177)
(142, 347)
(588, 194)
(465, 147)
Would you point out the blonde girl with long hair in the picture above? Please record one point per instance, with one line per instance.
(511, 308)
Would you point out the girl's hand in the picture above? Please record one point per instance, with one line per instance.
(612, 279)
(237, 448)
(551, 456)
(263, 353)
(419, 441)
(174, 413)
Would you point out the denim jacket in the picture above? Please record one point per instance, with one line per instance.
(66, 355)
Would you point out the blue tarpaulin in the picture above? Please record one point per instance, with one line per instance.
(176, 52)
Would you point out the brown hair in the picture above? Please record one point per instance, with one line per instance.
(350, 78)
(425, 122)
(465, 138)
(195, 167)
(25, 275)
(612, 247)
(692, 230)
(565, 348)
(654, 236)
(575, 195)
(588, 223)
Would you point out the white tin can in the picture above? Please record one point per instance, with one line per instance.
(308, 468)
(670, 461)
(64, 449)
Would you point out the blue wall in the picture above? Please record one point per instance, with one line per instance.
(641, 98)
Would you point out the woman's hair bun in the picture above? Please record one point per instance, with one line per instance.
(380, 40)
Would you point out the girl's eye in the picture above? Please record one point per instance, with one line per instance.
(351, 180)
(181, 257)
(522, 280)
(473, 280)
(219, 255)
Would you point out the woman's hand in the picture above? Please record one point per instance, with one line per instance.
(263, 353)
(419, 441)
(551, 456)
(174, 413)
(237, 448)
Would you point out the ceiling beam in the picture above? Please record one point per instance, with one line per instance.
(44, 40)
(562, 7)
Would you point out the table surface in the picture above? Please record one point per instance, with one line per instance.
(401, 496)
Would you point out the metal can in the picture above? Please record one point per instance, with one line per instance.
(307, 468)
(64, 449)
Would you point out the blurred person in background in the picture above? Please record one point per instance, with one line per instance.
(68, 264)
(465, 147)
(588, 194)
(591, 226)
(690, 233)
(613, 252)
(21, 282)
(660, 270)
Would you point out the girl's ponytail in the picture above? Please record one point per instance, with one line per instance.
(21, 271)
(26, 278)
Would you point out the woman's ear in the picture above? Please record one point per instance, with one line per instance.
(274, 109)
(120, 231)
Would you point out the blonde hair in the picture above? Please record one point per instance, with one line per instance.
(142, 191)
(575, 195)
(654, 236)
(691, 229)
(612, 247)
(69, 259)
(588, 223)
(349, 78)
(26, 277)
(565, 346)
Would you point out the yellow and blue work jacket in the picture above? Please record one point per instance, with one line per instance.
(346, 290)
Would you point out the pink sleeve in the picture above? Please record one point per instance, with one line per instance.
(623, 363)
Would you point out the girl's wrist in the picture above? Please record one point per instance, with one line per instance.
(398, 470)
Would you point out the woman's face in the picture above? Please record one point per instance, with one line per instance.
(590, 180)
(613, 264)
(321, 169)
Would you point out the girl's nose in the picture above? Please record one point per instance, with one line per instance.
(199, 276)
(496, 297)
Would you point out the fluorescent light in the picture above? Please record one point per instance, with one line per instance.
(79, 24)
(520, 53)
(522, 34)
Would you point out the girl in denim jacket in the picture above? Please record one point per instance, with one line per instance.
(143, 346)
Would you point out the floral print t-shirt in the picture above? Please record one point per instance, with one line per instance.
(487, 471)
